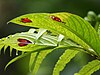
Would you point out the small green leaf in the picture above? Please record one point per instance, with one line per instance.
(63, 60)
(90, 68)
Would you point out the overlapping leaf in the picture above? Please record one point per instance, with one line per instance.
(70, 25)
(89, 68)
(32, 60)
(44, 42)
(63, 60)
(39, 60)
(15, 59)
(73, 30)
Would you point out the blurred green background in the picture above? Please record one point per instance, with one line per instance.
(10, 9)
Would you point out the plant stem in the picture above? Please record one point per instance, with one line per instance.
(97, 26)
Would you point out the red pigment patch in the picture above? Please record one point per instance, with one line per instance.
(25, 20)
(23, 42)
(56, 18)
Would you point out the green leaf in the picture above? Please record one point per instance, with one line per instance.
(90, 68)
(72, 26)
(44, 42)
(32, 59)
(41, 55)
(3, 43)
(39, 60)
(63, 60)
(15, 59)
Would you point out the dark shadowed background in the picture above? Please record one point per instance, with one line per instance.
(10, 9)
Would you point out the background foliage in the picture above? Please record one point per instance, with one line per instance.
(11, 8)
